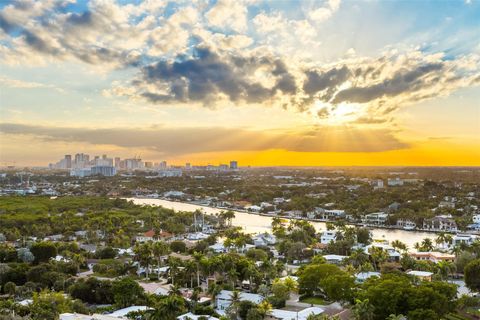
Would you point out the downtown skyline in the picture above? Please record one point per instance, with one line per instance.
(311, 83)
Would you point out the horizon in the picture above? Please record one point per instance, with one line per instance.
(270, 84)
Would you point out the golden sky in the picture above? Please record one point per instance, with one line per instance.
(320, 83)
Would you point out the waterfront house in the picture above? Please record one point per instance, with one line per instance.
(406, 224)
(467, 239)
(376, 218)
(328, 214)
(440, 223)
(433, 256)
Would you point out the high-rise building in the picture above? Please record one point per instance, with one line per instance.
(107, 171)
(163, 165)
(132, 164)
(81, 160)
(188, 166)
(68, 161)
(233, 165)
(148, 164)
(117, 162)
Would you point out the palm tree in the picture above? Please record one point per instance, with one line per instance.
(198, 259)
(358, 257)
(417, 246)
(143, 254)
(363, 310)
(427, 244)
(168, 308)
(214, 290)
(442, 239)
(174, 264)
(397, 244)
(264, 308)
(378, 256)
(160, 249)
(445, 268)
(235, 301)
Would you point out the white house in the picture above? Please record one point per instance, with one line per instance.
(463, 238)
(361, 277)
(220, 248)
(476, 218)
(254, 208)
(334, 258)
(224, 299)
(376, 218)
(328, 214)
(277, 314)
(264, 239)
(123, 312)
(392, 253)
(328, 236)
(78, 316)
(191, 316)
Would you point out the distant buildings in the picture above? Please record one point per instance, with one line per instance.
(107, 171)
(395, 182)
(84, 161)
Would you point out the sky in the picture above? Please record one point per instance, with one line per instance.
(266, 83)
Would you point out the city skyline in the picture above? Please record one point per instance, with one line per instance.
(268, 83)
(84, 160)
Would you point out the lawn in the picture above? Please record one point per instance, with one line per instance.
(314, 300)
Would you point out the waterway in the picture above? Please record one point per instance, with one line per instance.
(253, 223)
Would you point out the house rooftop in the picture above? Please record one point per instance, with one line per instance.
(420, 273)
(123, 312)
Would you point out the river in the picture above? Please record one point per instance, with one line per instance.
(253, 223)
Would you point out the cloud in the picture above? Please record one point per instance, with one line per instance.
(227, 52)
(228, 14)
(179, 141)
(324, 13)
(402, 81)
(207, 76)
(14, 83)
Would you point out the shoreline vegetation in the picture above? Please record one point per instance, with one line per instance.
(348, 223)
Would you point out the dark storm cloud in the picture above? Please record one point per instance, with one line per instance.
(321, 80)
(206, 74)
(176, 141)
(6, 25)
(401, 82)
